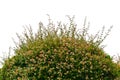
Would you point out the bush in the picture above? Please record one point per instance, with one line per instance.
(59, 53)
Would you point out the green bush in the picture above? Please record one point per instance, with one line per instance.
(59, 53)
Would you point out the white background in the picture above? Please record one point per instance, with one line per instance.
(14, 14)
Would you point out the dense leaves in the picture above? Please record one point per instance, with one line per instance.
(59, 53)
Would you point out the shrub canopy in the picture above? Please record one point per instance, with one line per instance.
(59, 53)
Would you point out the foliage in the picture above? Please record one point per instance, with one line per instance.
(60, 53)
(117, 60)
